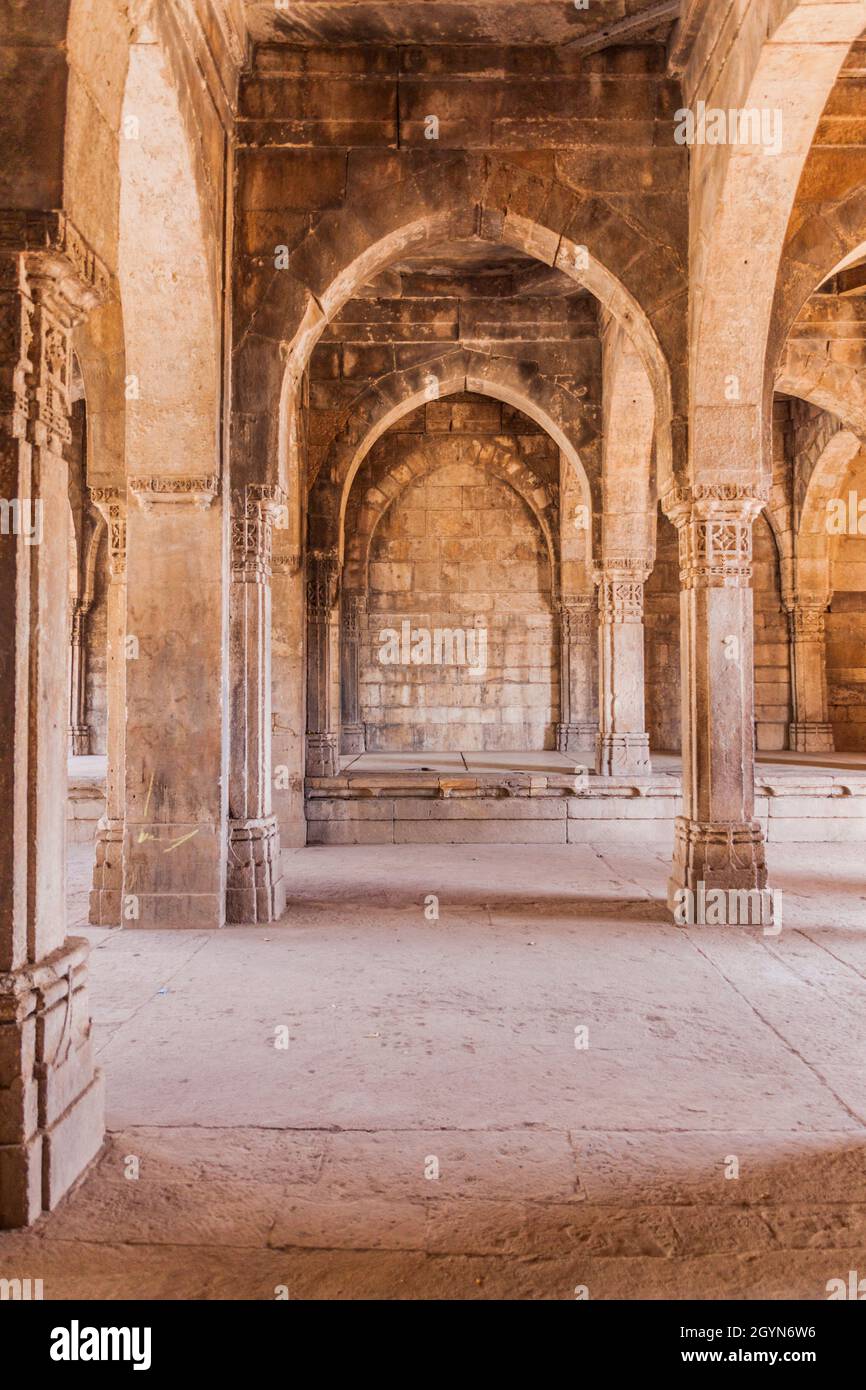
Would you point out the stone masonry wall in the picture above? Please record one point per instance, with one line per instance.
(456, 548)
(846, 628)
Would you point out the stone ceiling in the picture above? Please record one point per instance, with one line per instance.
(476, 259)
(559, 22)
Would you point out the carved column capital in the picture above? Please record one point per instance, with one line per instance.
(50, 241)
(80, 610)
(806, 616)
(255, 513)
(576, 612)
(323, 571)
(715, 529)
(621, 579)
(110, 502)
(49, 279)
(354, 611)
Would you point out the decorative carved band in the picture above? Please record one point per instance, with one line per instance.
(36, 330)
(80, 610)
(715, 554)
(322, 576)
(174, 491)
(354, 609)
(621, 600)
(50, 279)
(621, 580)
(51, 235)
(715, 527)
(806, 623)
(707, 496)
(47, 341)
(256, 511)
(639, 566)
(576, 618)
(111, 505)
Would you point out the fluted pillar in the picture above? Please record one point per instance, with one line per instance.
(352, 730)
(255, 891)
(323, 758)
(578, 725)
(810, 729)
(622, 747)
(51, 1098)
(718, 842)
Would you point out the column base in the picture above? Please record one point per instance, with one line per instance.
(811, 738)
(579, 737)
(106, 894)
(79, 739)
(722, 856)
(323, 758)
(51, 1094)
(353, 739)
(622, 755)
(255, 890)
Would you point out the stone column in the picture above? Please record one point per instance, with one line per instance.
(255, 891)
(353, 733)
(717, 840)
(577, 729)
(810, 730)
(622, 748)
(322, 738)
(289, 678)
(79, 729)
(175, 832)
(107, 888)
(51, 1098)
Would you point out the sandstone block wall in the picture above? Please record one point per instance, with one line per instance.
(772, 661)
(459, 549)
(846, 627)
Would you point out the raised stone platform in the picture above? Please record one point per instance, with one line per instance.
(549, 798)
(535, 798)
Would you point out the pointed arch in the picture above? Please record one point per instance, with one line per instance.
(789, 70)
(812, 569)
(388, 490)
(432, 198)
(391, 398)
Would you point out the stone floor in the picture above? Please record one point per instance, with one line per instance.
(410, 1040)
